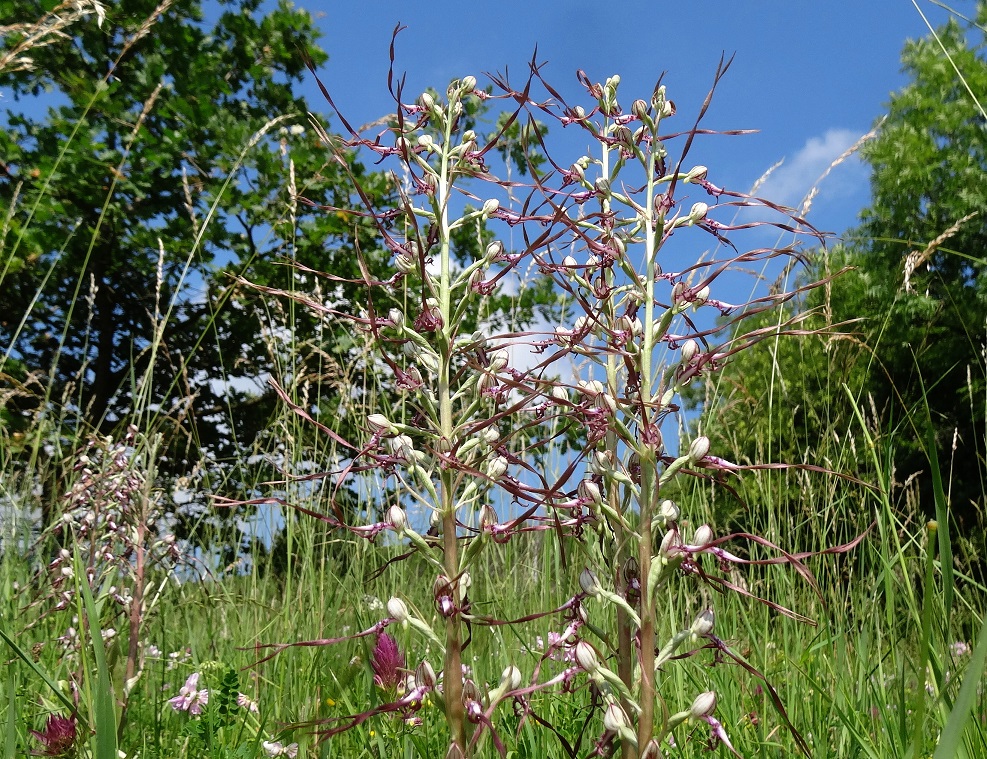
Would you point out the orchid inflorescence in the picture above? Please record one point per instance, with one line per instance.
(479, 403)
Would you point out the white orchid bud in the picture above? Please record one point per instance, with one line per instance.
(586, 657)
(405, 264)
(425, 675)
(496, 467)
(396, 317)
(698, 449)
(490, 436)
(589, 582)
(703, 536)
(510, 679)
(668, 511)
(589, 491)
(380, 423)
(398, 518)
(494, 250)
(698, 212)
(398, 610)
(689, 350)
(704, 705)
(560, 393)
(669, 543)
(696, 174)
(499, 360)
(490, 206)
(703, 624)
(615, 719)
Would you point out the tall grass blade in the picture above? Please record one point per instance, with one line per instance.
(942, 517)
(26, 658)
(104, 712)
(11, 743)
(949, 741)
(925, 641)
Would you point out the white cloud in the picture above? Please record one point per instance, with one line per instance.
(791, 182)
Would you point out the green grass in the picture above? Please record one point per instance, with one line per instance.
(875, 678)
(877, 675)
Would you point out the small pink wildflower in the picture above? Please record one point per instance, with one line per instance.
(58, 737)
(245, 702)
(190, 699)
(960, 648)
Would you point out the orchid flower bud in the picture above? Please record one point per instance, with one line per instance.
(590, 491)
(560, 393)
(398, 518)
(489, 207)
(488, 516)
(563, 336)
(704, 705)
(668, 543)
(698, 449)
(489, 435)
(511, 678)
(382, 424)
(405, 264)
(494, 251)
(425, 675)
(589, 582)
(499, 360)
(703, 536)
(702, 624)
(614, 718)
(696, 174)
(698, 212)
(496, 467)
(668, 511)
(586, 657)
(397, 610)
(689, 350)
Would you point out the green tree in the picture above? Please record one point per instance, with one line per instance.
(912, 316)
(146, 159)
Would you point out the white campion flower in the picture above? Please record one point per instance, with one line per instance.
(275, 748)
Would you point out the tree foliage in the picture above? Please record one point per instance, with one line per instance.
(905, 330)
(148, 160)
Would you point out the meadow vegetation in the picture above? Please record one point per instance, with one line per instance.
(303, 458)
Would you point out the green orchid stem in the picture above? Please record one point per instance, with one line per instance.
(452, 664)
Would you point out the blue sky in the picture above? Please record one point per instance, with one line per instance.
(810, 76)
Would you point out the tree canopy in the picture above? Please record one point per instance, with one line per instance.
(148, 158)
(911, 317)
